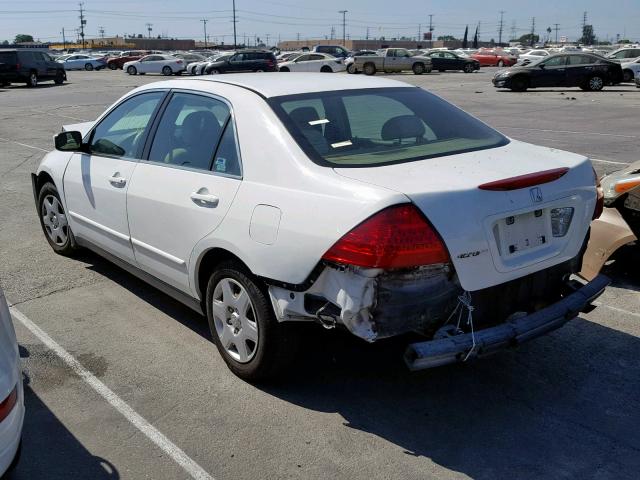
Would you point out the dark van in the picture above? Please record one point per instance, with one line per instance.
(30, 67)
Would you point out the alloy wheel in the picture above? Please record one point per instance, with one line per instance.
(55, 220)
(596, 83)
(235, 320)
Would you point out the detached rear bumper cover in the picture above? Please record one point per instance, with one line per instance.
(456, 348)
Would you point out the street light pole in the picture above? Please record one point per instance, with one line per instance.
(344, 27)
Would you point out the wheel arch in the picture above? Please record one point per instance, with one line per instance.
(207, 262)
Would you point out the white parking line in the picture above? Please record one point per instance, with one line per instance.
(616, 309)
(22, 144)
(608, 161)
(153, 434)
(570, 132)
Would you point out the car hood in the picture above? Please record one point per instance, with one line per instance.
(446, 190)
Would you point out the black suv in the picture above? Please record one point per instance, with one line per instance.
(335, 50)
(29, 66)
(245, 61)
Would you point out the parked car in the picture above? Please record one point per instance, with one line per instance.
(443, 61)
(285, 56)
(189, 57)
(218, 58)
(245, 61)
(630, 70)
(494, 58)
(337, 51)
(30, 67)
(83, 62)
(196, 67)
(372, 228)
(619, 224)
(637, 80)
(164, 64)
(624, 54)
(11, 393)
(313, 62)
(392, 60)
(116, 63)
(348, 62)
(531, 56)
(587, 71)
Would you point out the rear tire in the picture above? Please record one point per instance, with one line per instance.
(468, 68)
(215, 71)
(519, 84)
(166, 71)
(595, 83)
(88, 67)
(284, 69)
(500, 63)
(369, 69)
(54, 221)
(113, 66)
(251, 341)
(326, 69)
(260, 70)
(59, 79)
(627, 76)
(131, 70)
(32, 81)
(418, 68)
(352, 69)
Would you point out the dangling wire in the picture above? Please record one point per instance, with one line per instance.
(464, 301)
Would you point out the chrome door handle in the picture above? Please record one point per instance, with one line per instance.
(117, 180)
(205, 200)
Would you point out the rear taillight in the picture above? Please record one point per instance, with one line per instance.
(179, 62)
(8, 403)
(600, 197)
(396, 237)
(523, 181)
(17, 66)
(270, 63)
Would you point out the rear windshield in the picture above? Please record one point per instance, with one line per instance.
(381, 126)
(7, 57)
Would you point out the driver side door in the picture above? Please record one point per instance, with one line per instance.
(96, 181)
(552, 75)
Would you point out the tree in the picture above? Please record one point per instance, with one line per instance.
(21, 37)
(527, 40)
(6, 42)
(447, 38)
(588, 37)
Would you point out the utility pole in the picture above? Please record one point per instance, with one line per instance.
(344, 26)
(431, 29)
(234, 25)
(367, 37)
(533, 29)
(556, 25)
(83, 22)
(101, 31)
(514, 30)
(149, 28)
(64, 40)
(419, 32)
(204, 24)
(501, 27)
(268, 35)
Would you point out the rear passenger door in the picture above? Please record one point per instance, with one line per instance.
(579, 68)
(185, 185)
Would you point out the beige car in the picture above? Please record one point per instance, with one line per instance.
(393, 60)
(619, 223)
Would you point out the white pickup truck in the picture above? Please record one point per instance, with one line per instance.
(393, 60)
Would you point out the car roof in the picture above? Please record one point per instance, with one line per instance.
(277, 84)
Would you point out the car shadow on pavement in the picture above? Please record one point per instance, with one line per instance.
(564, 406)
(50, 451)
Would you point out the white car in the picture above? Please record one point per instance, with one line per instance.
(364, 203)
(164, 64)
(11, 392)
(631, 70)
(313, 62)
(532, 56)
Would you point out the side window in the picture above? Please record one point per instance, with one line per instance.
(555, 61)
(316, 57)
(581, 60)
(120, 133)
(227, 159)
(189, 131)
(303, 58)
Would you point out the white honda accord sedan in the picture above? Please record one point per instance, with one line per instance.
(358, 203)
(11, 392)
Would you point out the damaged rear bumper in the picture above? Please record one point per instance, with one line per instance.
(457, 348)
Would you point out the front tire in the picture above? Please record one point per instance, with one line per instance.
(113, 66)
(59, 79)
(88, 67)
(326, 69)
(32, 81)
(595, 84)
(54, 221)
(284, 69)
(253, 344)
(468, 68)
(500, 63)
(519, 84)
(418, 69)
(352, 69)
(369, 69)
(131, 70)
(627, 76)
(166, 71)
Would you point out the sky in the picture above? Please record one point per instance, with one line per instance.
(288, 19)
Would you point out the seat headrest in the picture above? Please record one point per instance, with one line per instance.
(301, 116)
(199, 125)
(403, 126)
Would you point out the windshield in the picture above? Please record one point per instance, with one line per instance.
(369, 127)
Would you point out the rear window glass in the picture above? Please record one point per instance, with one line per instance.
(380, 126)
(7, 57)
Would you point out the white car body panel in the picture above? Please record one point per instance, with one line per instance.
(176, 65)
(314, 65)
(10, 377)
(634, 66)
(288, 207)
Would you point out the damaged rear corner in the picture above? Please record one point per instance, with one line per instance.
(372, 303)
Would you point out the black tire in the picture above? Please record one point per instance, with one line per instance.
(131, 70)
(113, 66)
(69, 246)
(259, 70)
(594, 83)
(627, 76)
(500, 63)
(519, 84)
(277, 342)
(468, 68)
(32, 81)
(215, 71)
(88, 67)
(284, 69)
(352, 69)
(441, 70)
(369, 69)
(166, 70)
(59, 78)
(326, 69)
(418, 68)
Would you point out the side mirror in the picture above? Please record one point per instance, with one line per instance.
(542, 66)
(68, 141)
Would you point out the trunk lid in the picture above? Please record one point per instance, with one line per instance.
(495, 236)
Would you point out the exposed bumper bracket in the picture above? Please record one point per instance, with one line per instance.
(434, 353)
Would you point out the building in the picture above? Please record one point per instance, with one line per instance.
(161, 44)
(376, 44)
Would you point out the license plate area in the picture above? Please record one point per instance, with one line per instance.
(516, 234)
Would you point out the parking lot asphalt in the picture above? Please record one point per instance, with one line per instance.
(564, 406)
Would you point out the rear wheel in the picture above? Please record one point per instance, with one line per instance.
(468, 68)
(595, 84)
(253, 344)
(54, 221)
(32, 81)
(113, 66)
(285, 69)
(369, 69)
(59, 78)
(131, 70)
(326, 69)
(260, 70)
(166, 71)
(627, 76)
(519, 84)
(418, 68)
(351, 69)
(88, 67)
(500, 63)
(215, 71)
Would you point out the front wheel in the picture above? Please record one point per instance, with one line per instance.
(253, 344)
(627, 76)
(468, 68)
(500, 63)
(595, 83)
(32, 81)
(131, 70)
(418, 69)
(352, 69)
(113, 66)
(166, 71)
(215, 71)
(369, 69)
(88, 67)
(326, 69)
(519, 84)
(54, 221)
(59, 79)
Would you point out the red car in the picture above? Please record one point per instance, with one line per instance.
(117, 62)
(494, 58)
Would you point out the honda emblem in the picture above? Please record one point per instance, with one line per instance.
(536, 195)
